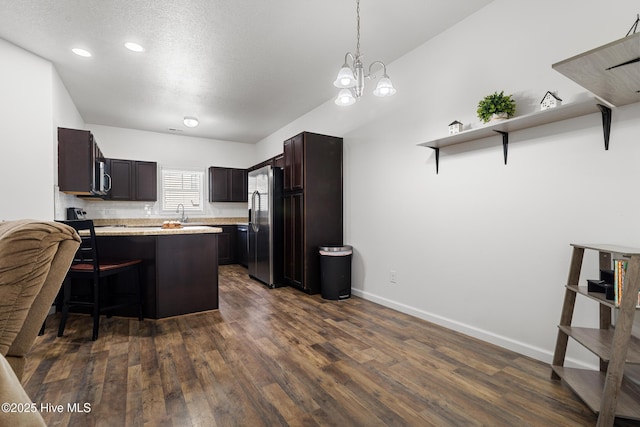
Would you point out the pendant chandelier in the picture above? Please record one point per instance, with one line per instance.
(351, 77)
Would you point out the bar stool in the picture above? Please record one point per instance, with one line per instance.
(88, 266)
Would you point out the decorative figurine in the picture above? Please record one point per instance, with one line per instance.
(455, 127)
(550, 100)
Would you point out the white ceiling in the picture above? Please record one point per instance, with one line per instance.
(245, 68)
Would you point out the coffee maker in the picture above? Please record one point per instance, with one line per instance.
(76, 213)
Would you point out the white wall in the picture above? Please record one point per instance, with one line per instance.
(169, 151)
(26, 162)
(482, 247)
(34, 103)
(65, 114)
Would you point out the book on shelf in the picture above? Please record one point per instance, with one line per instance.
(619, 276)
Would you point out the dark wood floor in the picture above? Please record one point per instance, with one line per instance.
(280, 357)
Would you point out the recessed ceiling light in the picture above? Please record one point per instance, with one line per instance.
(135, 47)
(190, 122)
(81, 52)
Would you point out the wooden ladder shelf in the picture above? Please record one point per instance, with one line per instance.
(614, 391)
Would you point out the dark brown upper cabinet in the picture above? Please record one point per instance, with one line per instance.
(133, 180)
(278, 161)
(121, 179)
(80, 164)
(146, 181)
(293, 163)
(227, 184)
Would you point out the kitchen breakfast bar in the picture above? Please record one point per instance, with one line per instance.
(179, 265)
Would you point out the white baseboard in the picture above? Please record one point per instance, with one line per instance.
(537, 353)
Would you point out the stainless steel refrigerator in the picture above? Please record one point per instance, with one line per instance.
(265, 231)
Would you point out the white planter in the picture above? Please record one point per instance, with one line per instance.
(498, 117)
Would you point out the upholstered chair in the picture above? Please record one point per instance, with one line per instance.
(34, 259)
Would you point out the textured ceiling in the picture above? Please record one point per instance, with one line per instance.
(245, 68)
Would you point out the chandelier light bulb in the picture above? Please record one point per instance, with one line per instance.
(345, 97)
(345, 78)
(384, 87)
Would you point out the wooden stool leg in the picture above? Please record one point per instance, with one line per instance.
(65, 305)
(112, 283)
(96, 308)
(140, 294)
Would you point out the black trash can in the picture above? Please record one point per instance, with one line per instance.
(335, 272)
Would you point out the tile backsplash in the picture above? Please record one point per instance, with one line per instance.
(105, 209)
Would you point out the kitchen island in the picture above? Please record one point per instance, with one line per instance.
(179, 265)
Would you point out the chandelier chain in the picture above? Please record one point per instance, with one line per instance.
(358, 28)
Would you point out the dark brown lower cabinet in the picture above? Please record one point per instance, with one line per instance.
(293, 240)
(227, 244)
(180, 271)
(242, 248)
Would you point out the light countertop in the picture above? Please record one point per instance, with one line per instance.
(156, 222)
(154, 231)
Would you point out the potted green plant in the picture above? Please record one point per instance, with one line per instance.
(496, 106)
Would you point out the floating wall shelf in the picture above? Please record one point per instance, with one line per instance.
(611, 72)
(537, 118)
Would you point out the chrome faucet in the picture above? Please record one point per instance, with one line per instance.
(183, 218)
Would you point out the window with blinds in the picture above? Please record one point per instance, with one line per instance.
(182, 187)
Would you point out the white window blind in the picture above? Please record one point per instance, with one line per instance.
(182, 187)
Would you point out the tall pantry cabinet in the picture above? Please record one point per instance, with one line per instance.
(312, 205)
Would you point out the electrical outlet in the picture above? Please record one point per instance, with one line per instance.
(393, 276)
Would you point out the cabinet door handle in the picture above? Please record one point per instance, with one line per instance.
(106, 175)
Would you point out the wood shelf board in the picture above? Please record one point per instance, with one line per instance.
(597, 296)
(618, 86)
(536, 118)
(622, 250)
(588, 385)
(632, 374)
(600, 342)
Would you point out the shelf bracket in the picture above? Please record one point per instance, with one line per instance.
(505, 144)
(606, 123)
(437, 150)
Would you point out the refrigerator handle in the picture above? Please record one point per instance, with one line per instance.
(254, 224)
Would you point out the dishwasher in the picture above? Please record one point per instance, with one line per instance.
(242, 249)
